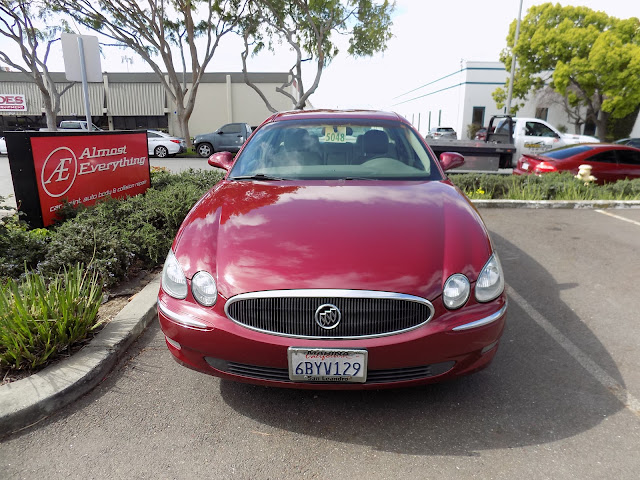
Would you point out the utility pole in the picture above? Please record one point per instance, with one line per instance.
(513, 61)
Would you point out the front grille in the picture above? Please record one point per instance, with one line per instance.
(362, 313)
(373, 376)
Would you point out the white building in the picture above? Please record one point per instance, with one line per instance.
(464, 97)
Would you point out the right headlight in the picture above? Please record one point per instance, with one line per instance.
(174, 281)
(490, 283)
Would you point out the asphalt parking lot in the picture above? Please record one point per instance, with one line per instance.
(560, 400)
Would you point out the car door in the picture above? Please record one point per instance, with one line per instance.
(628, 163)
(537, 138)
(604, 166)
(153, 140)
(231, 137)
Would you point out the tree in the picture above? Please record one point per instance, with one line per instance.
(588, 57)
(154, 27)
(18, 22)
(307, 27)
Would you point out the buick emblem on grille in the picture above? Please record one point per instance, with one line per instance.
(328, 316)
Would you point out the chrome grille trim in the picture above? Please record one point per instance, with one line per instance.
(366, 304)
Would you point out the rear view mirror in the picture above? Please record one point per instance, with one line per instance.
(221, 160)
(449, 160)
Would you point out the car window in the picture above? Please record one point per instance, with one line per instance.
(566, 152)
(231, 128)
(608, 156)
(333, 149)
(537, 129)
(629, 157)
(152, 135)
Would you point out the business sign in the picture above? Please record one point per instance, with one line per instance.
(78, 168)
(11, 102)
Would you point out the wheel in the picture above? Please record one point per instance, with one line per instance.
(161, 152)
(204, 150)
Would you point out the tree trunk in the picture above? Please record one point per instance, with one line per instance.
(50, 115)
(601, 125)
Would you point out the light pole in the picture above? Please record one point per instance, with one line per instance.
(513, 61)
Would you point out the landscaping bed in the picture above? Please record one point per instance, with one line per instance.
(59, 285)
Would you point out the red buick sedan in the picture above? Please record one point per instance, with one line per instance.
(335, 254)
(609, 163)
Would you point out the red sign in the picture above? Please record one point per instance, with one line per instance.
(10, 102)
(83, 169)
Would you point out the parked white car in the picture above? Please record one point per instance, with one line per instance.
(163, 145)
(3, 146)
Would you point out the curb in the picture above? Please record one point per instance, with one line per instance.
(30, 400)
(568, 204)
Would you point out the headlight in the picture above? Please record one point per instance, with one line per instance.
(174, 283)
(204, 289)
(490, 282)
(456, 291)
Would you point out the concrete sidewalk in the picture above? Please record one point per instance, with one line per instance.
(32, 399)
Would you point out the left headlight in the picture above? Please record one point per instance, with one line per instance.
(204, 289)
(490, 282)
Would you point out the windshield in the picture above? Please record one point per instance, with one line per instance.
(334, 149)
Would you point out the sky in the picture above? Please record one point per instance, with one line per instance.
(430, 39)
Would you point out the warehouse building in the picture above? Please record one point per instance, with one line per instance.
(131, 101)
(464, 97)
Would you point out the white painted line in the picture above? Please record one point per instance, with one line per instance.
(618, 217)
(628, 400)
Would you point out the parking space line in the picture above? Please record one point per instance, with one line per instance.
(628, 400)
(618, 217)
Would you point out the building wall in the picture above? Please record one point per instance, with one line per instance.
(140, 99)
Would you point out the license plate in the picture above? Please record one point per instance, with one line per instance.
(525, 166)
(335, 365)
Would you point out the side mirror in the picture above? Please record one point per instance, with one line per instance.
(449, 160)
(221, 160)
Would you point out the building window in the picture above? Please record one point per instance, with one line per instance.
(542, 113)
(477, 117)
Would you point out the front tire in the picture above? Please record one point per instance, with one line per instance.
(205, 150)
(161, 152)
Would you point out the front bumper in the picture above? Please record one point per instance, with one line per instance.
(453, 343)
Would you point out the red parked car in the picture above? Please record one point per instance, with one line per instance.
(335, 254)
(609, 162)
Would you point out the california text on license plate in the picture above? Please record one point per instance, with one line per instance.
(337, 365)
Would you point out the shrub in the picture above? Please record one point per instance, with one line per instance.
(39, 321)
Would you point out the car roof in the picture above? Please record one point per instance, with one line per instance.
(335, 114)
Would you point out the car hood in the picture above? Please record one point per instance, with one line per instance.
(405, 237)
(571, 138)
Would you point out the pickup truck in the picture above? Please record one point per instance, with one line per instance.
(228, 138)
(506, 140)
(74, 126)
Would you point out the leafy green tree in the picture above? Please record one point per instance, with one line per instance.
(152, 29)
(309, 28)
(28, 25)
(590, 58)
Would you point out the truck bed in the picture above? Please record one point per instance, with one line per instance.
(478, 155)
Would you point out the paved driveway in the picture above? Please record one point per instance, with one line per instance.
(560, 400)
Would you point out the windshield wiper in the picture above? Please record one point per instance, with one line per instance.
(256, 176)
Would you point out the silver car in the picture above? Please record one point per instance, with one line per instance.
(163, 145)
(442, 132)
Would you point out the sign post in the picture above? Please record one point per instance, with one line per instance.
(81, 55)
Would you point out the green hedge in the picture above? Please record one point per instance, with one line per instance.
(551, 186)
(114, 238)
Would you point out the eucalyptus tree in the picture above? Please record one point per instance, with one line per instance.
(590, 58)
(155, 29)
(31, 32)
(309, 28)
